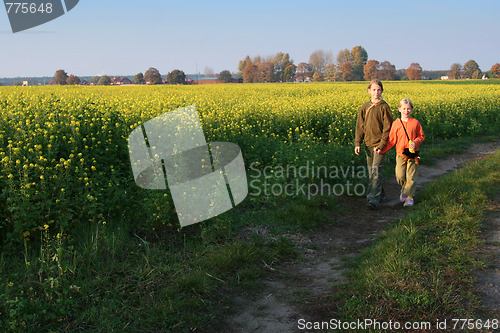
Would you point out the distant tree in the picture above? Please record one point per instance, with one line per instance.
(153, 76)
(289, 73)
(266, 71)
(345, 70)
(359, 59)
(331, 73)
(495, 69)
(303, 71)
(250, 73)
(371, 70)
(73, 80)
(477, 74)
(344, 56)
(455, 72)
(95, 79)
(105, 80)
(176, 77)
(139, 78)
(319, 59)
(318, 77)
(471, 70)
(225, 76)
(257, 60)
(281, 61)
(387, 71)
(414, 72)
(243, 63)
(60, 77)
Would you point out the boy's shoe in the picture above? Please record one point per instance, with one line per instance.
(408, 202)
(402, 197)
(372, 206)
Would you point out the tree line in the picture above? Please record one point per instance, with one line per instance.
(151, 76)
(349, 65)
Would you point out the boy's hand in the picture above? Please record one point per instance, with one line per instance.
(357, 149)
(413, 145)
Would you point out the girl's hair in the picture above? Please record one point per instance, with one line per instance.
(377, 82)
(406, 101)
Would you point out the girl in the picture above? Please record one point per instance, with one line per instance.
(407, 134)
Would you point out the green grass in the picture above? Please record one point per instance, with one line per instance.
(124, 277)
(420, 269)
(111, 279)
(140, 277)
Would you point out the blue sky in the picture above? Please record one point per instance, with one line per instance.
(124, 37)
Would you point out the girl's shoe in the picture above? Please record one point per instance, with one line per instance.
(402, 197)
(408, 202)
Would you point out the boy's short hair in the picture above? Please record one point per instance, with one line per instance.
(406, 101)
(377, 82)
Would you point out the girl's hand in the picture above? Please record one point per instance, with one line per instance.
(377, 151)
(412, 145)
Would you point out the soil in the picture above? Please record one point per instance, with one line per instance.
(488, 280)
(303, 289)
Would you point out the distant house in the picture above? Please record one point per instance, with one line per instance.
(186, 81)
(445, 77)
(25, 83)
(120, 81)
(84, 83)
(215, 80)
(485, 77)
(305, 79)
(206, 80)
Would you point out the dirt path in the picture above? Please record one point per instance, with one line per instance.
(488, 280)
(303, 289)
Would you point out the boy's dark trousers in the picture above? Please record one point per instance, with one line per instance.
(374, 191)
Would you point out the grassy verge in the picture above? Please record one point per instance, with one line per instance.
(421, 268)
(119, 277)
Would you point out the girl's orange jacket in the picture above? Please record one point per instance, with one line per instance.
(397, 136)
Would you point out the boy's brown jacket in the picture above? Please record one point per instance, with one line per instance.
(373, 124)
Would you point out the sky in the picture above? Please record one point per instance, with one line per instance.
(125, 37)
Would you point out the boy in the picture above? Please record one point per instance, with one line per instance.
(407, 135)
(373, 126)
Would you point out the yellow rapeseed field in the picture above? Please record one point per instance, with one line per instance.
(64, 156)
